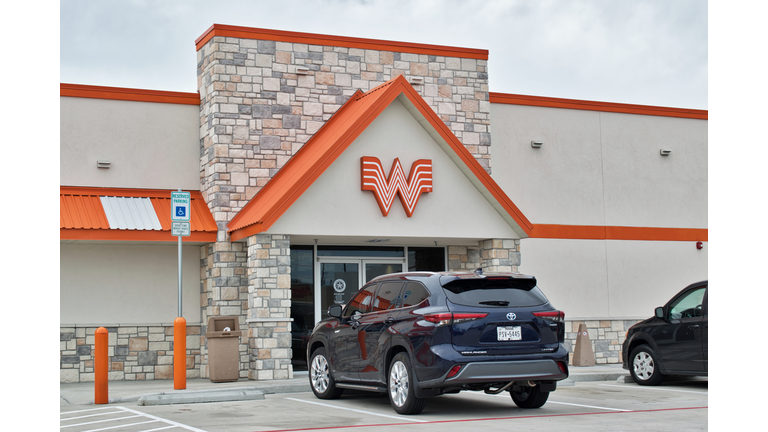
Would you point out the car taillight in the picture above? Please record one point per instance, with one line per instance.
(448, 318)
(556, 316)
(454, 370)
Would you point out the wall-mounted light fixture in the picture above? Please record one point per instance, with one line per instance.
(536, 144)
(416, 80)
(665, 152)
(103, 164)
(301, 70)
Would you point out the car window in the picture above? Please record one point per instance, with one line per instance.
(688, 306)
(494, 292)
(413, 294)
(362, 301)
(387, 296)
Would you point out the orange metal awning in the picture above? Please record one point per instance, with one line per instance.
(90, 213)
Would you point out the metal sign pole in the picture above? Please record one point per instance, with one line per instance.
(179, 237)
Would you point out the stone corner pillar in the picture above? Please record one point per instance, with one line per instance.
(269, 312)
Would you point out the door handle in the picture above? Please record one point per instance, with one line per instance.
(693, 326)
(389, 321)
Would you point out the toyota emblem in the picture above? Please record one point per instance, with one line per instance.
(511, 316)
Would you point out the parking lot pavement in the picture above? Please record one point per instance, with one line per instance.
(592, 405)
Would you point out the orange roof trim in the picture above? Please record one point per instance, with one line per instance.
(82, 216)
(340, 41)
(333, 139)
(596, 232)
(128, 94)
(515, 99)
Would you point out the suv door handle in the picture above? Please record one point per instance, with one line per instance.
(693, 326)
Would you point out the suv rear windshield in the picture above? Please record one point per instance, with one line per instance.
(502, 292)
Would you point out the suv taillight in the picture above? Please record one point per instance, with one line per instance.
(555, 316)
(448, 318)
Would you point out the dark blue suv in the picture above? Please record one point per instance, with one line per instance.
(418, 335)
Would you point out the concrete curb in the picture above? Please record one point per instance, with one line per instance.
(185, 397)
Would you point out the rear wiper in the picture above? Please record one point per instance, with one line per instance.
(495, 303)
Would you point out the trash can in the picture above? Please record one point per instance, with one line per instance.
(223, 336)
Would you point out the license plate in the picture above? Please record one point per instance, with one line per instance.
(509, 333)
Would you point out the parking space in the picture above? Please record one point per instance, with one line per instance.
(593, 406)
(117, 418)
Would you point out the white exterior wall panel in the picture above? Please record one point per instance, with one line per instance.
(150, 145)
(599, 279)
(123, 284)
(598, 168)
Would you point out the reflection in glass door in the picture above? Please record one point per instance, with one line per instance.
(338, 279)
(338, 282)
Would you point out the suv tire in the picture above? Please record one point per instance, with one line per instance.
(643, 366)
(400, 385)
(320, 378)
(529, 397)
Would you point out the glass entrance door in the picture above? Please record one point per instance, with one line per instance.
(338, 279)
(338, 282)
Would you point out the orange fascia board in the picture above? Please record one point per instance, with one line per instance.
(595, 232)
(540, 101)
(340, 41)
(332, 140)
(82, 216)
(128, 94)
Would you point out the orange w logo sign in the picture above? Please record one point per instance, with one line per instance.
(384, 189)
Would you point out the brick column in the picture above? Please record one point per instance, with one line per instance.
(269, 315)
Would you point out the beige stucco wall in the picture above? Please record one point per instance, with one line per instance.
(335, 205)
(595, 279)
(598, 168)
(124, 284)
(150, 145)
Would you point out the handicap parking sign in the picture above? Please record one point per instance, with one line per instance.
(180, 202)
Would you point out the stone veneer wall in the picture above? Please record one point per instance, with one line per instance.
(269, 315)
(135, 353)
(257, 111)
(224, 292)
(490, 255)
(606, 337)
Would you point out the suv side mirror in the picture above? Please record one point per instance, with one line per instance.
(659, 312)
(334, 310)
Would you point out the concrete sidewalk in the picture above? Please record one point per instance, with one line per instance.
(161, 392)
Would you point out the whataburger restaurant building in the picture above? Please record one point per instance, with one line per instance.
(315, 163)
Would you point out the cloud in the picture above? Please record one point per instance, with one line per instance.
(642, 51)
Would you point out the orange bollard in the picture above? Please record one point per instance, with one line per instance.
(179, 354)
(101, 366)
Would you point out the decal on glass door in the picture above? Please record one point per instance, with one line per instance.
(384, 189)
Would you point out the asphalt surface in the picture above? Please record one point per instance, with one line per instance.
(161, 392)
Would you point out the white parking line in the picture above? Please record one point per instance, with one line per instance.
(586, 406)
(121, 410)
(553, 402)
(359, 411)
(653, 388)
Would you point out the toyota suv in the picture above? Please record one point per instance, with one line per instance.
(418, 335)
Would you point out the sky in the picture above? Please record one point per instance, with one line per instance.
(648, 52)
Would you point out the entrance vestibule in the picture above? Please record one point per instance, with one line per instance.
(326, 275)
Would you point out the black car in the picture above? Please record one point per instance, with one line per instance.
(418, 335)
(673, 342)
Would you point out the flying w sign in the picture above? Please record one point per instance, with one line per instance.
(385, 188)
